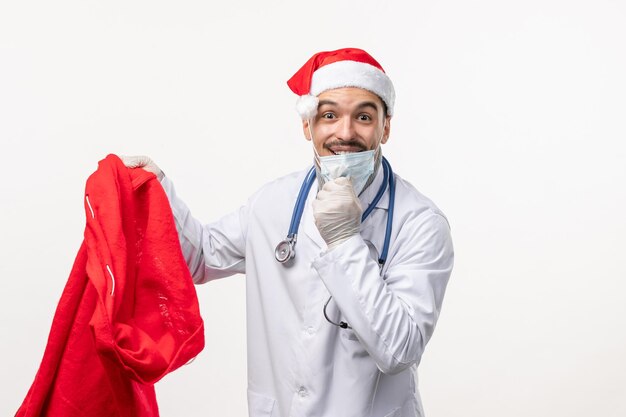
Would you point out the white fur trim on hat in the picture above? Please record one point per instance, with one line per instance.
(354, 74)
(306, 106)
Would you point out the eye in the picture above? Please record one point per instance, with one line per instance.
(328, 115)
(364, 118)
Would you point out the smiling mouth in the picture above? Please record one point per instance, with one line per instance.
(344, 148)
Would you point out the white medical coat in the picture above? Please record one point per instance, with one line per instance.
(298, 363)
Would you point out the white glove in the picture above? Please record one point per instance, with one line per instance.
(141, 161)
(337, 212)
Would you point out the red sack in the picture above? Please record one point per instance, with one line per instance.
(129, 312)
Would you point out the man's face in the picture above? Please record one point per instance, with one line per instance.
(348, 119)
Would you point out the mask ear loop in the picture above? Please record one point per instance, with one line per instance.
(316, 155)
(378, 155)
(380, 141)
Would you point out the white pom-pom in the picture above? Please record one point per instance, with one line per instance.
(306, 106)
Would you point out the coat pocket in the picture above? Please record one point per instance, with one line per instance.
(260, 405)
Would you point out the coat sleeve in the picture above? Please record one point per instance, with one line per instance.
(214, 250)
(393, 316)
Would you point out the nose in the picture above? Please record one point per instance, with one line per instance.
(345, 129)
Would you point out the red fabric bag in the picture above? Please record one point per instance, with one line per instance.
(129, 312)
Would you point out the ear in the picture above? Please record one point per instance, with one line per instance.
(305, 129)
(387, 129)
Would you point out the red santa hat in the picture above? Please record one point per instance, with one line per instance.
(347, 67)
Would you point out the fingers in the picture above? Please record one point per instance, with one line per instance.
(142, 161)
(337, 211)
(135, 161)
(340, 188)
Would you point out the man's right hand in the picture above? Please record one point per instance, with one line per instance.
(141, 161)
(337, 212)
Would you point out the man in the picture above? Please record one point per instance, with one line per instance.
(339, 328)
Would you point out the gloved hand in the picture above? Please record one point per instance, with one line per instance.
(141, 161)
(337, 212)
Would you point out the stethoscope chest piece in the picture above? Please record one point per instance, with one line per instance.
(285, 251)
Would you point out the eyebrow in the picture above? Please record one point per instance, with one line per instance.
(326, 102)
(359, 107)
(368, 104)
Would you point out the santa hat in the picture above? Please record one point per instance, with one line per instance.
(347, 67)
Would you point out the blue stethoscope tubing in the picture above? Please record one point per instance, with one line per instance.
(286, 248)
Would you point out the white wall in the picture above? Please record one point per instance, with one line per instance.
(510, 115)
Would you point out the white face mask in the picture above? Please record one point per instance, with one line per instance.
(358, 166)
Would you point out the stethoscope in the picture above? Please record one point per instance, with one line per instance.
(285, 250)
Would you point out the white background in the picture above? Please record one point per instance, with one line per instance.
(510, 116)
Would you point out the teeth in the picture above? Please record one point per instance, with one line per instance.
(343, 152)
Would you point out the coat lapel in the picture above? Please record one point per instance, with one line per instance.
(308, 221)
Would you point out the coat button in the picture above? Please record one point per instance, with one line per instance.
(302, 392)
(310, 330)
